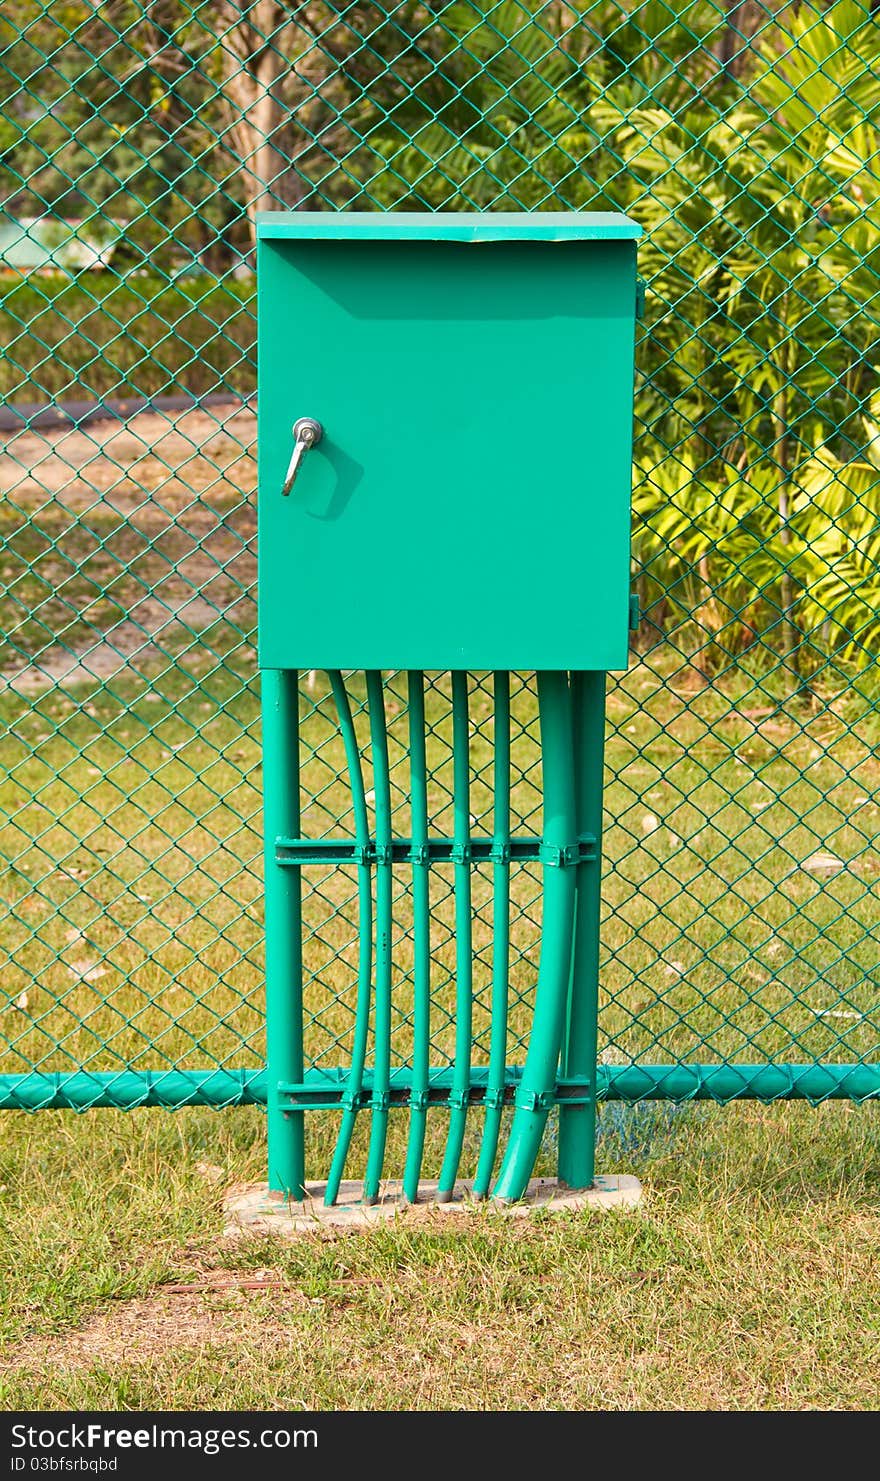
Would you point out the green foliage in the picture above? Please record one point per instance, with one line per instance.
(750, 160)
(761, 206)
(762, 322)
(112, 110)
(505, 107)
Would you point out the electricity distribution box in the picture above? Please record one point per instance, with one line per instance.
(445, 440)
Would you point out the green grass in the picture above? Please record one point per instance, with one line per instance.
(132, 894)
(101, 335)
(748, 1278)
(57, 592)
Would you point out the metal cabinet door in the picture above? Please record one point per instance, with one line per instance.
(468, 505)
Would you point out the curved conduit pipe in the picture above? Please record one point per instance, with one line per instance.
(384, 905)
(464, 967)
(365, 938)
(418, 1112)
(501, 937)
(535, 1093)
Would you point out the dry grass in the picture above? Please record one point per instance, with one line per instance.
(747, 1279)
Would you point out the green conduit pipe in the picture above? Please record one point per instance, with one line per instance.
(534, 1095)
(577, 1124)
(418, 1115)
(126, 1090)
(384, 903)
(365, 938)
(283, 905)
(501, 938)
(464, 967)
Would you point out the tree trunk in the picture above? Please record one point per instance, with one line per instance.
(746, 20)
(258, 42)
(790, 636)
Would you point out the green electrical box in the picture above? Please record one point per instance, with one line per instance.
(456, 494)
(445, 447)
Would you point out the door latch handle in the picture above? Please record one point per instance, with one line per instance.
(307, 433)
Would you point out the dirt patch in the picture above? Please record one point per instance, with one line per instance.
(120, 463)
(223, 1312)
(120, 540)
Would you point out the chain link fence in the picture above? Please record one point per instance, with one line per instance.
(137, 140)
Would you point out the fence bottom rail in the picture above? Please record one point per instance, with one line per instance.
(173, 1089)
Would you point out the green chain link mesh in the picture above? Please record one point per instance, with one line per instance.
(136, 142)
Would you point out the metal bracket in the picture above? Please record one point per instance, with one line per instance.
(302, 853)
(330, 1090)
(563, 856)
(535, 1100)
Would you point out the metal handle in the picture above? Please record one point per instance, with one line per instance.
(307, 433)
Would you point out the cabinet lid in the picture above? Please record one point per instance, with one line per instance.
(447, 226)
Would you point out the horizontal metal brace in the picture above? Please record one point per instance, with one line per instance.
(301, 853)
(328, 1089)
(80, 1090)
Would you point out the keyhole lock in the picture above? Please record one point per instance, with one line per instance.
(307, 433)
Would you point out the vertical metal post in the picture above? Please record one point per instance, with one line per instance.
(577, 1124)
(536, 1089)
(284, 1027)
(421, 890)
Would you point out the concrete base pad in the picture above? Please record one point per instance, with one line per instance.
(251, 1208)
